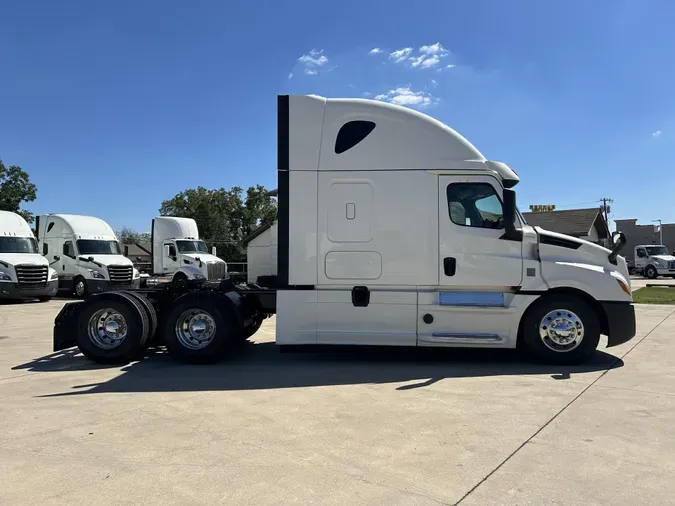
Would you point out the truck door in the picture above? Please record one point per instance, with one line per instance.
(641, 258)
(170, 258)
(472, 253)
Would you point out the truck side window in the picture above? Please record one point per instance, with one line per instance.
(641, 253)
(68, 249)
(475, 205)
(172, 251)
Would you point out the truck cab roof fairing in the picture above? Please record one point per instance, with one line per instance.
(313, 136)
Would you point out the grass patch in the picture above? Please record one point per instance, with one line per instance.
(654, 295)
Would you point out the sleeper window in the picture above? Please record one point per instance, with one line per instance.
(475, 205)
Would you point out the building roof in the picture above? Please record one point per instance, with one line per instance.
(257, 232)
(574, 222)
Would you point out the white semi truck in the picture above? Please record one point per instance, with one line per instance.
(392, 230)
(24, 273)
(177, 252)
(86, 253)
(652, 261)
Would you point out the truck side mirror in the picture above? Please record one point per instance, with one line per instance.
(619, 241)
(56, 257)
(510, 231)
(213, 251)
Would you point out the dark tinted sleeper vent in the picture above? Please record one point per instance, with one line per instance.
(351, 133)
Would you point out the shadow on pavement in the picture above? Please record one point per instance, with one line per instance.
(262, 366)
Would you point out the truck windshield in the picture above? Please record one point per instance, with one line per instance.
(18, 245)
(192, 247)
(97, 247)
(656, 250)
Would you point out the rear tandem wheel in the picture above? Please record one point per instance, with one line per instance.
(112, 328)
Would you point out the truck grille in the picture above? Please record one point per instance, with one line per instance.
(120, 274)
(671, 265)
(34, 276)
(216, 270)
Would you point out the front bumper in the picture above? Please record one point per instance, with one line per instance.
(102, 285)
(18, 291)
(620, 322)
(665, 272)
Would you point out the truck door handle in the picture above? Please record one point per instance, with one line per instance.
(449, 266)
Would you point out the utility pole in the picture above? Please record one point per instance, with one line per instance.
(605, 208)
(660, 231)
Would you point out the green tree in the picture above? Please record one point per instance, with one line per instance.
(15, 187)
(130, 236)
(224, 217)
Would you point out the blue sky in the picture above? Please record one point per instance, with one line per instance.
(113, 107)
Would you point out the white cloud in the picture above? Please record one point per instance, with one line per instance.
(426, 57)
(312, 61)
(434, 82)
(290, 76)
(375, 50)
(657, 133)
(406, 96)
(400, 55)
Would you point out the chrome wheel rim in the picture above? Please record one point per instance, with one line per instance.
(195, 329)
(561, 330)
(107, 328)
(79, 288)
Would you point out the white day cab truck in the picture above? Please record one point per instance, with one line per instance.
(86, 254)
(179, 254)
(392, 230)
(652, 261)
(24, 273)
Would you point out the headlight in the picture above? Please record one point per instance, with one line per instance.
(136, 274)
(199, 275)
(4, 276)
(96, 274)
(55, 275)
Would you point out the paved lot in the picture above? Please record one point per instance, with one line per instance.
(640, 282)
(474, 428)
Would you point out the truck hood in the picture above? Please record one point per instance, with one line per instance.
(23, 259)
(107, 260)
(665, 258)
(555, 247)
(204, 257)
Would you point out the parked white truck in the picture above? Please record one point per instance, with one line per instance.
(86, 253)
(653, 260)
(24, 273)
(392, 230)
(178, 252)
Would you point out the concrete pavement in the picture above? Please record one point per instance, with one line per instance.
(385, 427)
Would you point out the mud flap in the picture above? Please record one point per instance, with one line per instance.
(65, 325)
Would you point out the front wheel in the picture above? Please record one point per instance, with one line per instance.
(80, 287)
(651, 272)
(46, 298)
(560, 329)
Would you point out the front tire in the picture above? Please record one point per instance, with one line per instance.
(179, 279)
(199, 329)
(44, 299)
(560, 329)
(80, 287)
(651, 272)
